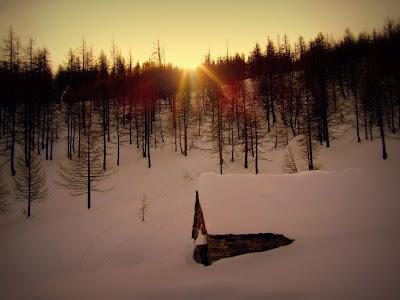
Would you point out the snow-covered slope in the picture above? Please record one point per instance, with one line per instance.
(344, 219)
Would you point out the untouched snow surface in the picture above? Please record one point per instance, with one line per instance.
(296, 205)
(344, 219)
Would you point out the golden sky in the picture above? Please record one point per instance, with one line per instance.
(186, 29)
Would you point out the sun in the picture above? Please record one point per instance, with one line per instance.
(186, 62)
(189, 65)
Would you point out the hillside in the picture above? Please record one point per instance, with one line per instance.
(345, 227)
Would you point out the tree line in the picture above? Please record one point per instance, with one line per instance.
(277, 95)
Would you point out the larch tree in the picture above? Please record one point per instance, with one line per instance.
(84, 175)
(30, 181)
(11, 50)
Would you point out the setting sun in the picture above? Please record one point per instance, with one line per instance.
(186, 62)
(187, 30)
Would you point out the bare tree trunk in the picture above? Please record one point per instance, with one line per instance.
(144, 133)
(382, 130)
(26, 147)
(108, 119)
(256, 133)
(38, 133)
(137, 128)
(232, 135)
(185, 121)
(365, 123)
(371, 123)
(174, 122)
(47, 135)
(251, 137)
(104, 134)
(334, 93)
(118, 134)
(29, 174)
(180, 134)
(267, 105)
(68, 132)
(272, 103)
(130, 122)
(155, 124)
(29, 185)
(246, 146)
(12, 150)
(310, 152)
(79, 135)
(357, 114)
(88, 168)
(148, 141)
(51, 138)
(161, 129)
(219, 129)
(391, 105)
(73, 134)
(43, 125)
(32, 115)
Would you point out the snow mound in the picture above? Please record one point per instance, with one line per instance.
(287, 204)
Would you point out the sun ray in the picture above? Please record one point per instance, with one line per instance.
(182, 82)
(211, 75)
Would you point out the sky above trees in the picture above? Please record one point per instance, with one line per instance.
(186, 29)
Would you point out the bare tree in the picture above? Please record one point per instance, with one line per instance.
(142, 210)
(84, 174)
(30, 181)
(11, 50)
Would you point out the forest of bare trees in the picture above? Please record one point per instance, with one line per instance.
(94, 105)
